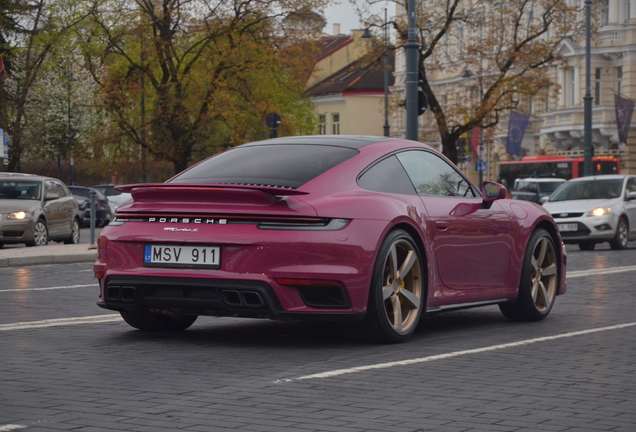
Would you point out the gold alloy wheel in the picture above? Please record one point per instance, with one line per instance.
(544, 275)
(402, 286)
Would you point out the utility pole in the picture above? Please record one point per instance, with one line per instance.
(587, 99)
(412, 50)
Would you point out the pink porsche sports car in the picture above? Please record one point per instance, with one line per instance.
(368, 231)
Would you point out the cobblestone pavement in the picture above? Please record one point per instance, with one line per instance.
(464, 371)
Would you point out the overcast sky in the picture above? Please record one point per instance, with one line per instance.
(344, 14)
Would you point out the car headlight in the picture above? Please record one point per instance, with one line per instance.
(601, 211)
(20, 215)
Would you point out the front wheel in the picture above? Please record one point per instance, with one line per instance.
(539, 280)
(40, 234)
(151, 321)
(396, 296)
(621, 237)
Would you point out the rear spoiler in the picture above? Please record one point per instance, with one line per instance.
(270, 190)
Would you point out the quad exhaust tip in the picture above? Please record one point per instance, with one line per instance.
(242, 299)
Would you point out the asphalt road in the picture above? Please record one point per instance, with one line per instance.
(65, 364)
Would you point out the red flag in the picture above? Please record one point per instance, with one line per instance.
(474, 141)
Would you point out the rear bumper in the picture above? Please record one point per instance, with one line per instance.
(211, 297)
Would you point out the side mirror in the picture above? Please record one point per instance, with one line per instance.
(51, 196)
(544, 199)
(492, 191)
(631, 196)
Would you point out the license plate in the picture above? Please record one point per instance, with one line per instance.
(568, 227)
(182, 256)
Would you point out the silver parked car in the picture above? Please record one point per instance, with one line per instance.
(591, 210)
(36, 209)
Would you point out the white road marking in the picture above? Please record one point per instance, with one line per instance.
(388, 365)
(95, 285)
(594, 272)
(11, 427)
(61, 322)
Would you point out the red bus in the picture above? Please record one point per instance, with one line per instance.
(554, 166)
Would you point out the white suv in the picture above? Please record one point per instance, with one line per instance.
(590, 210)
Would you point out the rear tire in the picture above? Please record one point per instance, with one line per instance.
(150, 321)
(621, 238)
(539, 281)
(75, 234)
(397, 292)
(587, 246)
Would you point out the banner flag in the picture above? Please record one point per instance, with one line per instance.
(474, 141)
(624, 109)
(516, 128)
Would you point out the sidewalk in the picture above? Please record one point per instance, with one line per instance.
(53, 253)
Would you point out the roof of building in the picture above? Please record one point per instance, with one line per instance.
(361, 76)
(327, 45)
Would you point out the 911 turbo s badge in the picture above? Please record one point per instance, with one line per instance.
(181, 229)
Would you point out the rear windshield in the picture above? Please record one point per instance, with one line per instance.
(592, 189)
(280, 165)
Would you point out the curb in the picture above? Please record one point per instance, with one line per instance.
(19, 261)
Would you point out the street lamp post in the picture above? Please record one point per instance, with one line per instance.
(587, 99)
(387, 126)
(412, 48)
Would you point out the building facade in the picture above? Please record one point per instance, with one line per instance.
(556, 120)
(347, 86)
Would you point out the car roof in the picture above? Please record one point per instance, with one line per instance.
(543, 179)
(349, 141)
(600, 177)
(25, 176)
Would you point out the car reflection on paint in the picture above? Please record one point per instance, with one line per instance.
(370, 232)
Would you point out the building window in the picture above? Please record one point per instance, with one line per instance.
(597, 86)
(322, 124)
(605, 13)
(335, 124)
(625, 10)
(570, 82)
(619, 79)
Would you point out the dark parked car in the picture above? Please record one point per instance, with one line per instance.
(533, 189)
(372, 232)
(36, 209)
(115, 198)
(102, 214)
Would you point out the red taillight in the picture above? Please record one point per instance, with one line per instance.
(100, 270)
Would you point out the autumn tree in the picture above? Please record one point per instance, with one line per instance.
(205, 72)
(37, 29)
(483, 58)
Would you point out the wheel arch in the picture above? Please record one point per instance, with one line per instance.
(419, 242)
(559, 249)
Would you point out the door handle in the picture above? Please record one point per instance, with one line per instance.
(442, 225)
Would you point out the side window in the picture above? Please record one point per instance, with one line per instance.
(631, 184)
(389, 176)
(433, 176)
(48, 187)
(59, 189)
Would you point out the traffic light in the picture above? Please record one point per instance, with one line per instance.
(422, 100)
